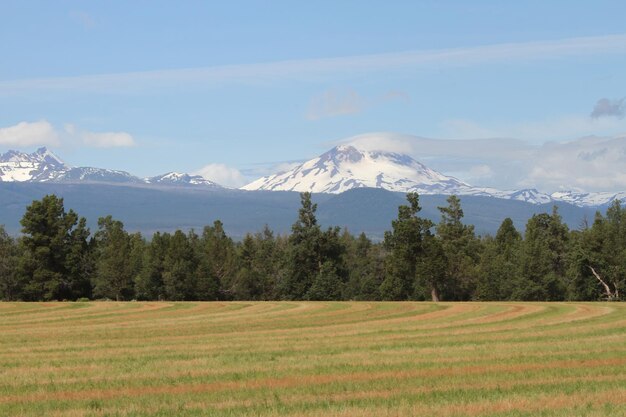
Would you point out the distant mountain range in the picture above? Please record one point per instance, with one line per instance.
(44, 166)
(340, 169)
(149, 208)
(345, 167)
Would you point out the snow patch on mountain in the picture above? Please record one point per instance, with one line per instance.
(44, 166)
(342, 168)
(345, 167)
(589, 199)
(178, 178)
(40, 165)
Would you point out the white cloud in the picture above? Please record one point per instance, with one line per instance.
(382, 141)
(335, 102)
(26, 134)
(307, 68)
(100, 139)
(480, 171)
(589, 164)
(223, 175)
(609, 108)
(562, 128)
(108, 139)
(340, 102)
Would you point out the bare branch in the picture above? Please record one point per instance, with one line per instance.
(609, 293)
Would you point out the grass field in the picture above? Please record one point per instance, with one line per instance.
(312, 359)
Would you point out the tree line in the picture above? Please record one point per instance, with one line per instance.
(58, 258)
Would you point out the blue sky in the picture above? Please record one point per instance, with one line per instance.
(236, 89)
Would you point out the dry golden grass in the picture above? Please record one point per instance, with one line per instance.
(312, 359)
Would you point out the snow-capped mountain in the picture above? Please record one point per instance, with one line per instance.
(177, 178)
(589, 199)
(345, 167)
(41, 165)
(528, 195)
(88, 174)
(44, 166)
(342, 168)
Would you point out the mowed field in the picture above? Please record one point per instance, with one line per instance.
(312, 359)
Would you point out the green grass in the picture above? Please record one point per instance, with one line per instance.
(312, 359)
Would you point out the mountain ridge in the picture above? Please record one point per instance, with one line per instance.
(345, 167)
(43, 165)
(342, 168)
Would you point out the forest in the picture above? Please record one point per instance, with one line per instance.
(58, 258)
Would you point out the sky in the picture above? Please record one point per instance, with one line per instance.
(504, 94)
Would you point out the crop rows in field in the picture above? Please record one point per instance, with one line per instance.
(312, 358)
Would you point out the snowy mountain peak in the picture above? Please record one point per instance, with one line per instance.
(345, 167)
(44, 166)
(48, 156)
(39, 165)
(343, 153)
(178, 178)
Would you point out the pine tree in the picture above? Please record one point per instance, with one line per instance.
(303, 263)
(365, 266)
(80, 262)
(149, 283)
(327, 284)
(48, 248)
(599, 254)
(10, 285)
(405, 245)
(218, 263)
(247, 284)
(461, 250)
(267, 262)
(499, 269)
(431, 270)
(114, 269)
(544, 259)
(179, 269)
(329, 280)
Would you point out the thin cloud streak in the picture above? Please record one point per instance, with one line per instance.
(303, 69)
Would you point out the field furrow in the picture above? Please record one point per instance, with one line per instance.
(312, 358)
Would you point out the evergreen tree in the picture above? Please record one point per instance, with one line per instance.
(543, 259)
(303, 262)
(499, 269)
(405, 246)
(327, 284)
(80, 262)
(431, 270)
(49, 248)
(585, 253)
(248, 281)
(149, 283)
(308, 250)
(267, 262)
(330, 276)
(461, 250)
(599, 250)
(366, 269)
(114, 267)
(218, 263)
(179, 269)
(10, 285)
